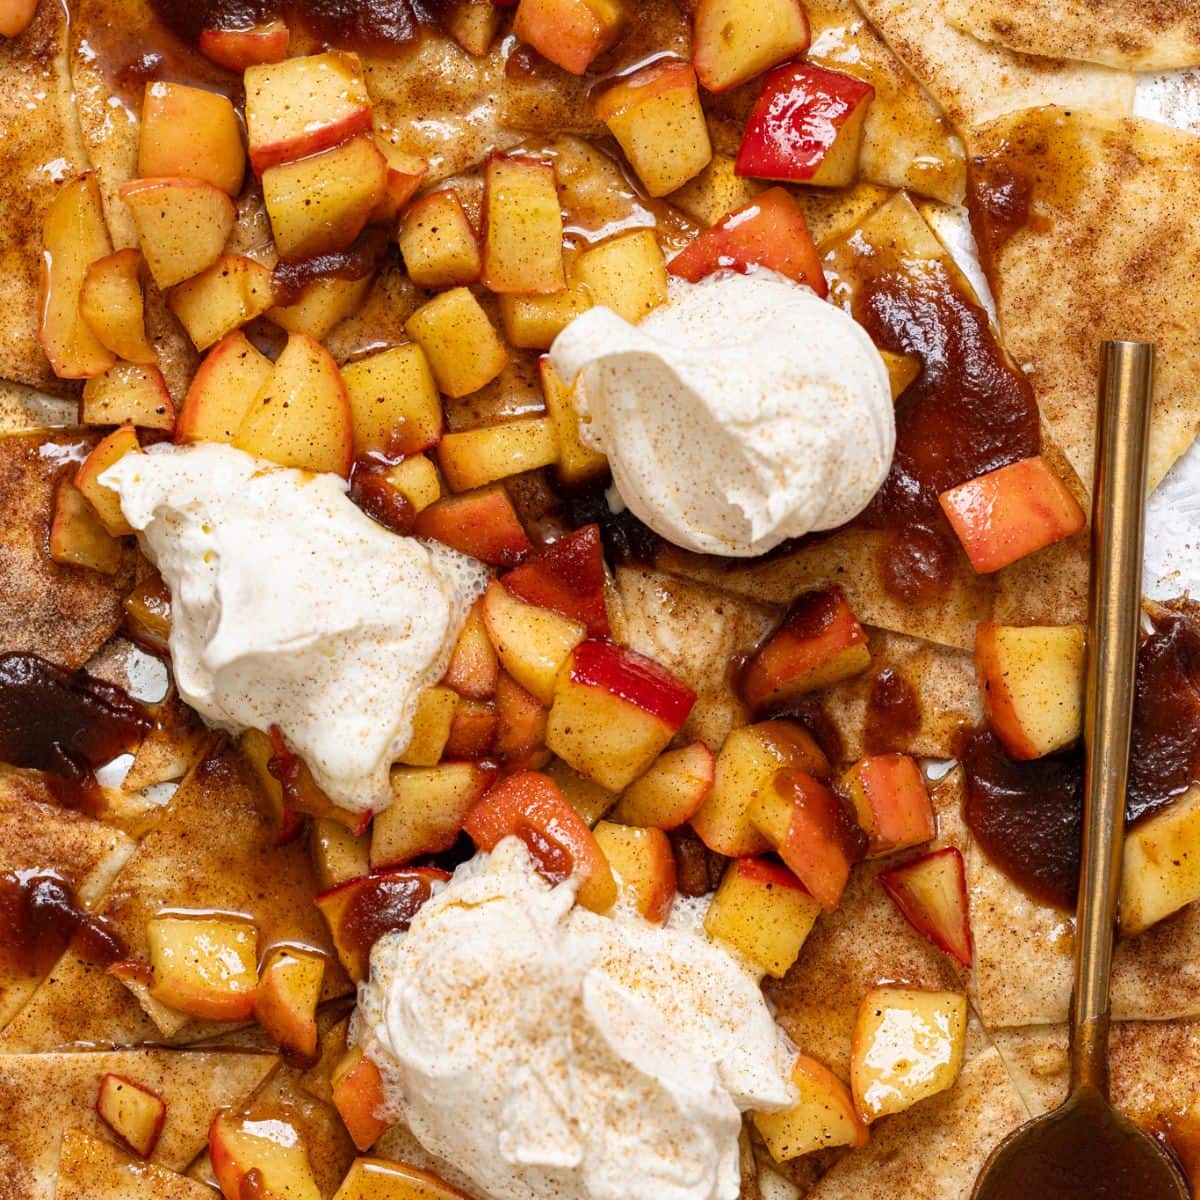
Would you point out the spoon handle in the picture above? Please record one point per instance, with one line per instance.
(1114, 618)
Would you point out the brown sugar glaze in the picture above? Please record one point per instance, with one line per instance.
(1028, 816)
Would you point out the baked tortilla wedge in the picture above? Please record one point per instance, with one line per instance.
(91, 1169)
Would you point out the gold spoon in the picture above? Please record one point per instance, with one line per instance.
(1086, 1150)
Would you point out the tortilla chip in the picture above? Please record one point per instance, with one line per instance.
(89, 1169)
(63, 614)
(1137, 35)
(26, 410)
(43, 1095)
(974, 82)
(1108, 250)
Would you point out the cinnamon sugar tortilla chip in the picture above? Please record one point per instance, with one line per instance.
(91, 1169)
(1109, 250)
(26, 410)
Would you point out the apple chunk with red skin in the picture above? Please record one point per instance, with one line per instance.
(770, 232)
(531, 642)
(191, 133)
(806, 127)
(671, 792)
(823, 1118)
(570, 33)
(238, 49)
(104, 500)
(733, 41)
(474, 669)
(1008, 513)
(614, 712)
(134, 1113)
(222, 390)
(482, 523)
(931, 894)
(891, 802)
(358, 1097)
(271, 1153)
(531, 807)
(568, 578)
(285, 1004)
(819, 643)
(206, 967)
(644, 864)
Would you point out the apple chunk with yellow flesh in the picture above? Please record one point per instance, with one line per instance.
(931, 894)
(523, 250)
(230, 293)
(301, 417)
(78, 537)
(473, 458)
(1162, 864)
(671, 792)
(644, 864)
(891, 802)
(192, 133)
(474, 669)
(532, 643)
(570, 33)
(746, 766)
(394, 402)
(908, 1045)
(74, 236)
(104, 500)
(128, 393)
(567, 577)
(206, 967)
(182, 224)
(463, 347)
(656, 117)
(270, 1152)
(338, 853)
(382, 1179)
(237, 49)
(806, 127)
(111, 302)
(438, 242)
(16, 16)
(614, 712)
(222, 391)
(285, 1004)
(301, 106)
(1008, 513)
(481, 523)
(733, 41)
(358, 1097)
(134, 1113)
(1032, 683)
(764, 912)
(823, 1119)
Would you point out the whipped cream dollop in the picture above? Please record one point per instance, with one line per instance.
(744, 412)
(549, 1053)
(290, 607)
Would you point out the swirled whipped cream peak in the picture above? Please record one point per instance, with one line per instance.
(743, 412)
(290, 607)
(549, 1053)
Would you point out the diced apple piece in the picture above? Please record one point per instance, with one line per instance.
(570, 33)
(429, 806)
(359, 1099)
(237, 49)
(473, 24)
(462, 345)
(148, 612)
(78, 537)
(483, 524)
(746, 766)
(716, 192)
(523, 249)
(128, 394)
(1162, 865)
(416, 479)
(222, 391)
(110, 301)
(530, 806)
(577, 463)
(232, 292)
(533, 322)
(770, 232)
(431, 727)
(405, 173)
(1032, 684)
(134, 1113)
(808, 827)
(614, 712)
(819, 643)
(438, 242)
(301, 417)
(568, 578)
(823, 1119)
(644, 864)
(104, 500)
(477, 457)
(339, 854)
(627, 274)
(908, 1045)
(902, 370)
(183, 225)
(807, 127)
(764, 912)
(16, 16)
(394, 401)
(206, 967)
(323, 305)
(270, 1152)
(520, 724)
(931, 894)
(586, 797)
(671, 792)
(473, 730)
(320, 204)
(360, 911)
(532, 643)
(285, 1004)
(382, 1179)
(732, 41)
(656, 117)
(74, 236)
(1006, 514)
(301, 106)
(891, 803)
(474, 669)
(191, 133)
